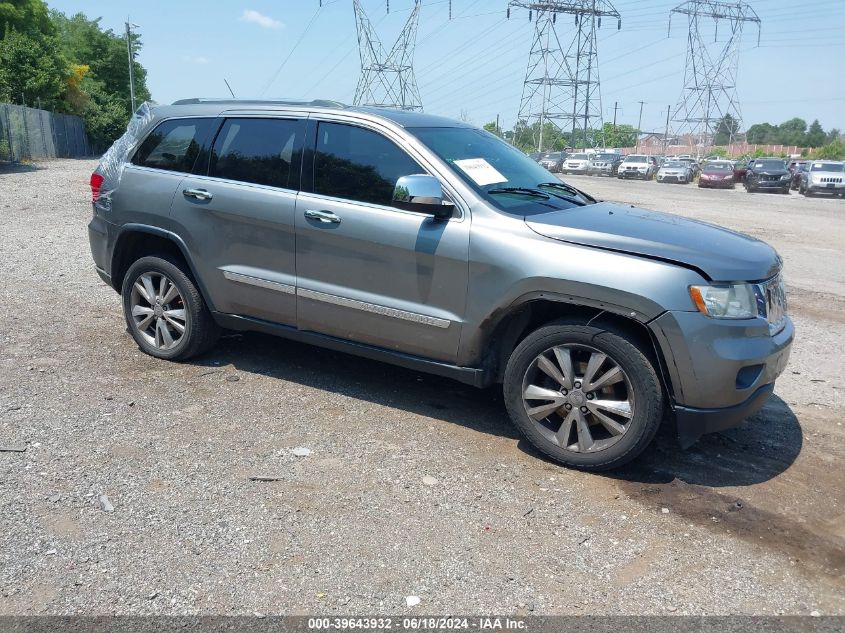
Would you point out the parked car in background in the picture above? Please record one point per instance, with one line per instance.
(740, 169)
(605, 164)
(553, 161)
(767, 174)
(430, 244)
(795, 181)
(536, 156)
(795, 164)
(576, 164)
(637, 166)
(674, 171)
(823, 176)
(717, 173)
(693, 165)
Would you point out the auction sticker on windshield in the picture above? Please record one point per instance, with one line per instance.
(482, 172)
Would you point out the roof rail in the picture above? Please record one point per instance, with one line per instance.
(316, 103)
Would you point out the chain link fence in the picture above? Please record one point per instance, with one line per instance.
(30, 134)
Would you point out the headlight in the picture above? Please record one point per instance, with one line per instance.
(728, 177)
(736, 301)
(785, 177)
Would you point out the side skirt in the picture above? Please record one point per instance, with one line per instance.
(467, 375)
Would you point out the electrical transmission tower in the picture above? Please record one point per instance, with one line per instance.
(562, 84)
(709, 93)
(387, 79)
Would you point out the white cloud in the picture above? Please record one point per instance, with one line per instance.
(264, 21)
(199, 59)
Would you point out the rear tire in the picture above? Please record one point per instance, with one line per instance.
(164, 310)
(613, 393)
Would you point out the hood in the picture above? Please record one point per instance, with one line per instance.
(771, 172)
(718, 253)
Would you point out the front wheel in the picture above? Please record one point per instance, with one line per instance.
(584, 396)
(164, 310)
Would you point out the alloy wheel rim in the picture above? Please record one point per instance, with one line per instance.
(158, 310)
(578, 398)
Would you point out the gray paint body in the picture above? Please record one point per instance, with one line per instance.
(404, 282)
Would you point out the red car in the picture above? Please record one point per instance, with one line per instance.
(740, 169)
(717, 174)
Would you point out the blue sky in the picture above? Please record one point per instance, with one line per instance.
(475, 62)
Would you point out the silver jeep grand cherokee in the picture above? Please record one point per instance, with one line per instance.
(431, 244)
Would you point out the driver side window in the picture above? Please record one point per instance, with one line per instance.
(357, 164)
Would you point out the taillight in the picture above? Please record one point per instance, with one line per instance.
(96, 183)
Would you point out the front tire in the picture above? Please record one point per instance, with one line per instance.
(164, 310)
(584, 396)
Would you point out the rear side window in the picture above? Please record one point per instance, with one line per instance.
(260, 151)
(174, 145)
(357, 164)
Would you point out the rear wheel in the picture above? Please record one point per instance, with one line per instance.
(584, 396)
(164, 310)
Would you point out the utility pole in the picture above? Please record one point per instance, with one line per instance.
(666, 133)
(129, 27)
(615, 108)
(639, 126)
(561, 84)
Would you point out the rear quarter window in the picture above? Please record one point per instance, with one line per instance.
(174, 145)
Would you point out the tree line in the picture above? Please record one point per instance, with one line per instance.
(825, 144)
(68, 64)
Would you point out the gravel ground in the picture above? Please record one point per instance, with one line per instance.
(414, 486)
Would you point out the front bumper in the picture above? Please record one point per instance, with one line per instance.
(718, 369)
(706, 182)
(633, 173)
(769, 184)
(837, 188)
(566, 169)
(671, 178)
(692, 422)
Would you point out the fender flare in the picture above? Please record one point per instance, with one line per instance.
(127, 229)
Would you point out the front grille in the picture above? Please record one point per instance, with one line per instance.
(830, 179)
(774, 296)
(770, 178)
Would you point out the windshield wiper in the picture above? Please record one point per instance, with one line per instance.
(521, 190)
(571, 190)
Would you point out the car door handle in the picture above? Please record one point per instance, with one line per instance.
(199, 194)
(326, 217)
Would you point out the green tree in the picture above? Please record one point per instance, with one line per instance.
(619, 136)
(792, 132)
(761, 133)
(493, 128)
(32, 71)
(104, 52)
(832, 151)
(815, 135)
(726, 130)
(25, 16)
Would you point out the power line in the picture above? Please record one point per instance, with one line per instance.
(292, 51)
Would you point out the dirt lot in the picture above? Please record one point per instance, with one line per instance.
(748, 521)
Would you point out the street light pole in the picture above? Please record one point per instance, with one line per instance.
(131, 56)
(639, 126)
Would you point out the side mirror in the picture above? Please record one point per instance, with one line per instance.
(422, 193)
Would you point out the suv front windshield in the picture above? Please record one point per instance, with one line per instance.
(835, 167)
(488, 164)
(635, 159)
(769, 164)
